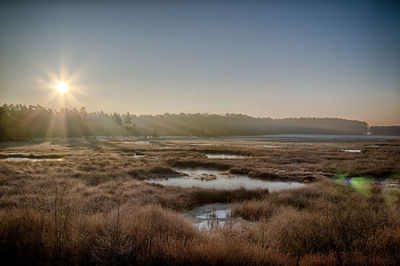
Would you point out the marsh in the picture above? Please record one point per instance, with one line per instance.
(157, 190)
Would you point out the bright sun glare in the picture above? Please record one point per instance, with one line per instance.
(62, 87)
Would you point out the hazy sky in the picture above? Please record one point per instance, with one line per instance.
(262, 58)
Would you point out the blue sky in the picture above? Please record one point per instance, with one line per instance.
(266, 59)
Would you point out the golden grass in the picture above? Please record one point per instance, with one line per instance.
(95, 207)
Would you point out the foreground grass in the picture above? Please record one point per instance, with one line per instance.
(148, 235)
(94, 208)
(328, 221)
(324, 223)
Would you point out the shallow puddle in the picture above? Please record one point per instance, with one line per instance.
(211, 216)
(225, 156)
(214, 179)
(202, 144)
(136, 156)
(142, 142)
(26, 159)
(352, 150)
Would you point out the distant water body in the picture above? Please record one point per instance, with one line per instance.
(288, 137)
(315, 137)
(208, 141)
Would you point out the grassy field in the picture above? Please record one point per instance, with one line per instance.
(93, 205)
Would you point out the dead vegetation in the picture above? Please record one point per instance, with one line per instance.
(96, 208)
(333, 221)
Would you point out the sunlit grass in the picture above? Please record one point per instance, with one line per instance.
(93, 207)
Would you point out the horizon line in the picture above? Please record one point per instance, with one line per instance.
(192, 113)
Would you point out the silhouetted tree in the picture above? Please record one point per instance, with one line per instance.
(155, 133)
(385, 130)
(117, 119)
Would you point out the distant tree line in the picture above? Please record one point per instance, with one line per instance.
(33, 121)
(385, 130)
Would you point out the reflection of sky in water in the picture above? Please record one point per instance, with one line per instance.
(224, 156)
(142, 142)
(22, 159)
(219, 214)
(208, 225)
(192, 179)
(211, 216)
(352, 150)
(271, 146)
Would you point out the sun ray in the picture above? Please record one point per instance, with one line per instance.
(64, 91)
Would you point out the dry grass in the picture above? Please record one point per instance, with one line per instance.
(325, 219)
(143, 235)
(96, 208)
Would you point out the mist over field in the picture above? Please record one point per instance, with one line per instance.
(24, 122)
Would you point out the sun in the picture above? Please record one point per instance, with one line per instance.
(62, 87)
